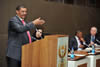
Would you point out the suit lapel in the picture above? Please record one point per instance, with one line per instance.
(19, 20)
(76, 41)
(89, 37)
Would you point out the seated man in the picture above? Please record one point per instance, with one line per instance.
(38, 34)
(93, 38)
(77, 42)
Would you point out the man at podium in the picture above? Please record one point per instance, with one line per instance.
(18, 34)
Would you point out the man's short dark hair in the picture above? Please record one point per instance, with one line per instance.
(19, 7)
(78, 31)
(40, 27)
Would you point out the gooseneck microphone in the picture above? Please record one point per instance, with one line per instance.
(97, 40)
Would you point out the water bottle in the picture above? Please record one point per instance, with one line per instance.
(93, 49)
(72, 54)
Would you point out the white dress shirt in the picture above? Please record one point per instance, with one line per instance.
(78, 42)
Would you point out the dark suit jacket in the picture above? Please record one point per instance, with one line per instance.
(17, 37)
(88, 38)
(73, 43)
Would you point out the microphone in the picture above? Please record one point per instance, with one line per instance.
(86, 45)
(97, 40)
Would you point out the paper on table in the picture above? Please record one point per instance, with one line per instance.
(78, 54)
(88, 49)
(91, 53)
(97, 48)
(97, 51)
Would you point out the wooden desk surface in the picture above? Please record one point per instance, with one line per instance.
(81, 52)
(78, 57)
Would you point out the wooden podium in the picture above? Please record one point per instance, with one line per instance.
(42, 53)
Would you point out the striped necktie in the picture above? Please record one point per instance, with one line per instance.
(92, 38)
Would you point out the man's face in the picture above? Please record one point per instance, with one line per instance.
(93, 31)
(22, 13)
(80, 34)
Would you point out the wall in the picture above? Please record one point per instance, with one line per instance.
(60, 18)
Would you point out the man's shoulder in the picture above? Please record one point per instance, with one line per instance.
(87, 35)
(13, 18)
(98, 34)
(73, 38)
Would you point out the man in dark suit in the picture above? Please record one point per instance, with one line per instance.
(93, 38)
(77, 42)
(18, 35)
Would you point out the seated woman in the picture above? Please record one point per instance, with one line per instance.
(38, 34)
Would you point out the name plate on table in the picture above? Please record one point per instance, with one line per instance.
(62, 51)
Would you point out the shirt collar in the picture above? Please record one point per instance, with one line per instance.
(76, 37)
(19, 18)
(92, 36)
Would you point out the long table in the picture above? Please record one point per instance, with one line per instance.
(95, 59)
(79, 63)
(88, 60)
